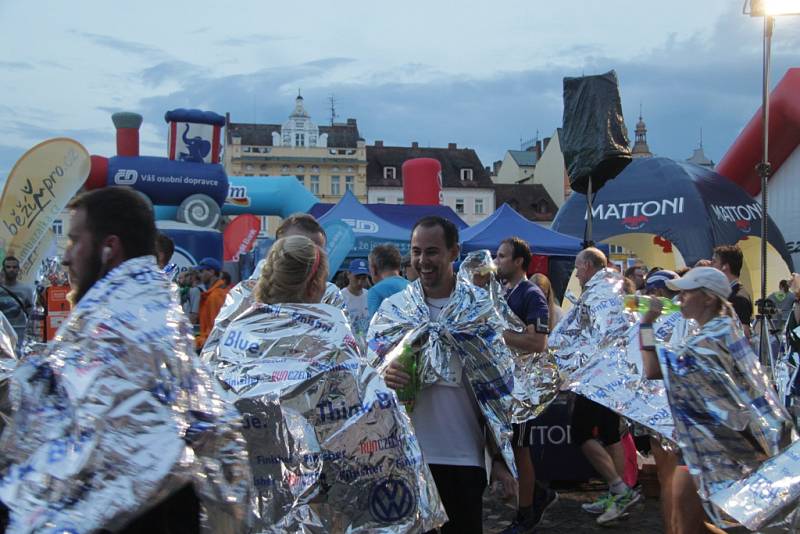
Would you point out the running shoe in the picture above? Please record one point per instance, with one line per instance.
(618, 506)
(599, 506)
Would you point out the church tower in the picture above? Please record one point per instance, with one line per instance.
(640, 148)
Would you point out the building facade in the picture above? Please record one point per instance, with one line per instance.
(328, 160)
(466, 185)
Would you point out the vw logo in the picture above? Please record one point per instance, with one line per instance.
(391, 500)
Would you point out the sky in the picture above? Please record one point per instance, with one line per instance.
(484, 75)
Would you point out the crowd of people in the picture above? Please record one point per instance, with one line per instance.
(287, 404)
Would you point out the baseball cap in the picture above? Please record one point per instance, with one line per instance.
(707, 278)
(359, 267)
(209, 263)
(659, 279)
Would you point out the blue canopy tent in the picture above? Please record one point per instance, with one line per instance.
(560, 249)
(369, 229)
(676, 211)
(403, 215)
(506, 222)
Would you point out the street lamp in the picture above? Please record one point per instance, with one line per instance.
(769, 9)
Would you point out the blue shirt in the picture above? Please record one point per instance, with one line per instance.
(528, 302)
(382, 290)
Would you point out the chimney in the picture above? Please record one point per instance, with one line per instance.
(127, 125)
(545, 143)
(351, 122)
(451, 146)
(538, 149)
(378, 144)
(496, 166)
(414, 144)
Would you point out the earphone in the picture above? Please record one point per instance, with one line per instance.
(106, 254)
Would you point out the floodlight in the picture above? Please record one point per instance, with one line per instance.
(773, 8)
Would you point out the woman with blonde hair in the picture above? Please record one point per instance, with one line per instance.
(324, 433)
(556, 313)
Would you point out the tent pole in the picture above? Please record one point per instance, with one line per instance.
(587, 235)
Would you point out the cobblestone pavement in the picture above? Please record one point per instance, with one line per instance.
(566, 515)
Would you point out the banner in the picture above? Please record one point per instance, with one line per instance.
(39, 187)
(240, 236)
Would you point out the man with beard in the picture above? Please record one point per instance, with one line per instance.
(16, 299)
(528, 303)
(115, 427)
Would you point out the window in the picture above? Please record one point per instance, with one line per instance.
(478, 206)
(58, 227)
(301, 178)
(315, 169)
(400, 200)
(349, 169)
(349, 183)
(315, 184)
(460, 206)
(466, 174)
(299, 139)
(381, 200)
(301, 169)
(248, 167)
(335, 186)
(245, 149)
(390, 173)
(263, 167)
(285, 169)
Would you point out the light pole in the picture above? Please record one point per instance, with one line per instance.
(768, 9)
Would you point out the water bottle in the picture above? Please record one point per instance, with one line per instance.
(408, 393)
(641, 304)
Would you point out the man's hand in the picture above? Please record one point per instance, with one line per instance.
(395, 377)
(500, 473)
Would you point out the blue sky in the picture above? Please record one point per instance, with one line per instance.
(481, 74)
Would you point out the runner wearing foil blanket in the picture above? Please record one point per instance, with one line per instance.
(330, 448)
(528, 303)
(115, 426)
(240, 297)
(728, 419)
(464, 403)
(595, 428)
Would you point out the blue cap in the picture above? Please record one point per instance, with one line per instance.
(209, 263)
(659, 279)
(359, 267)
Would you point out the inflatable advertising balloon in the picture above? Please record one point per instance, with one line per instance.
(41, 183)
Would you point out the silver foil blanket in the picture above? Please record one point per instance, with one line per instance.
(536, 376)
(330, 448)
(729, 422)
(117, 414)
(468, 329)
(597, 347)
(8, 362)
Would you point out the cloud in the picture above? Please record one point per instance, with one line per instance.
(120, 45)
(15, 65)
(169, 71)
(252, 39)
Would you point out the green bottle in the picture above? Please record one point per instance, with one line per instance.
(641, 304)
(408, 393)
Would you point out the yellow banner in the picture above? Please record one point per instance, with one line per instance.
(38, 189)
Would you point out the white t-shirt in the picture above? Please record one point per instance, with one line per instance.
(358, 310)
(446, 419)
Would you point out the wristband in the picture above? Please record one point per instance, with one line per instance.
(646, 339)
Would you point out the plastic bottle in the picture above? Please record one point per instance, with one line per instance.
(407, 394)
(641, 304)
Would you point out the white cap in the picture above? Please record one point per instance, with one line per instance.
(707, 278)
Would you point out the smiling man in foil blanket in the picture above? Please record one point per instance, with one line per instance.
(439, 342)
(115, 426)
(330, 448)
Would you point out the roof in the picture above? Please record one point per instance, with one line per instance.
(451, 159)
(532, 201)
(524, 158)
(340, 135)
